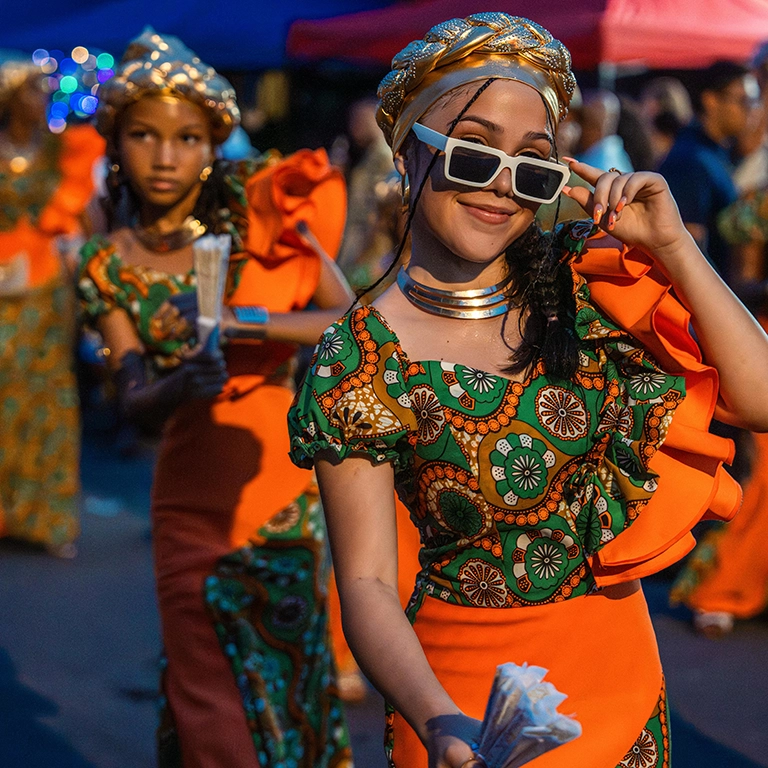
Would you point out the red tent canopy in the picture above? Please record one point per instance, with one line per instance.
(656, 33)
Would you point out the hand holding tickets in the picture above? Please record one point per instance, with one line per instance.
(521, 719)
(211, 257)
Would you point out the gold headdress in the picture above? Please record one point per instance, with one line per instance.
(462, 51)
(153, 64)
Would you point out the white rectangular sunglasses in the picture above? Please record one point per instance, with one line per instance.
(476, 165)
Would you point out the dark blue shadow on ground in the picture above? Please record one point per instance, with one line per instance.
(25, 742)
(693, 749)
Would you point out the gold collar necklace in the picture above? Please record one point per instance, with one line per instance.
(187, 233)
(468, 305)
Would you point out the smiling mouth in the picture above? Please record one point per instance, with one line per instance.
(488, 213)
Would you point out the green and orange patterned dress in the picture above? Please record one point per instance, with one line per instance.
(241, 559)
(515, 488)
(41, 200)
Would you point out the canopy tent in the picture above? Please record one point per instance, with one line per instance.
(234, 35)
(665, 34)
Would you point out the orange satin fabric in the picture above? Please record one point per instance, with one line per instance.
(223, 468)
(693, 484)
(600, 650)
(81, 146)
(738, 583)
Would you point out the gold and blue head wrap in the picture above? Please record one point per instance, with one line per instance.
(461, 51)
(162, 65)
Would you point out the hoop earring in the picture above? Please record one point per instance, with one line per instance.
(206, 172)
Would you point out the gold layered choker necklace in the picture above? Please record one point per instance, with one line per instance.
(468, 305)
(187, 233)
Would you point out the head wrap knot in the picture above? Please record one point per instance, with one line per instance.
(460, 51)
(157, 65)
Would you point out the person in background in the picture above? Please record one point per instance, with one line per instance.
(666, 106)
(726, 577)
(635, 134)
(238, 532)
(599, 144)
(46, 181)
(367, 163)
(699, 168)
(751, 174)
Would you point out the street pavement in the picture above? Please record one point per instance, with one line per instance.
(79, 648)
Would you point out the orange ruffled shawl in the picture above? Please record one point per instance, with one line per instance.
(693, 484)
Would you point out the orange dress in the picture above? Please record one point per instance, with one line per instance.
(238, 534)
(540, 505)
(728, 570)
(40, 435)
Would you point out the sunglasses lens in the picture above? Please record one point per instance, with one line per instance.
(537, 182)
(474, 167)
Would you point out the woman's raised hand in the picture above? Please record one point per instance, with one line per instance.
(636, 208)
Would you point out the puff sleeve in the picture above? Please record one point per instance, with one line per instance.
(352, 401)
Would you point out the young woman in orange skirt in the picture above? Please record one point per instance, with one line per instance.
(537, 401)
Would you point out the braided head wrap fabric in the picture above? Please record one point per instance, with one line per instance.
(158, 65)
(461, 51)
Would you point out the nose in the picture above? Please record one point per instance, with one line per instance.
(164, 155)
(502, 184)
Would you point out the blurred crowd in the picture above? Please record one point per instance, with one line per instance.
(708, 136)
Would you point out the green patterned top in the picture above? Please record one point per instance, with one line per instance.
(512, 485)
(106, 281)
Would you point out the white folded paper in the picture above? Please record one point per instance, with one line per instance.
(211, 258)
(521, 719)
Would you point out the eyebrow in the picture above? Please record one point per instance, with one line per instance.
(491, 126)
(138, 121)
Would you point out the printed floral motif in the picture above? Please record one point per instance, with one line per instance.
(334, 348)
(541, 558)
(647, 385)
(483, 584)
(284, 520)
(519, 465)
(460, 513)
(644, 752)
(562, 413)
(482, 386)
(429, 413)
(616, 418)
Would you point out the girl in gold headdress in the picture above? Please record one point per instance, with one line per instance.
(239, 547)
(46, 181)
(538, 403)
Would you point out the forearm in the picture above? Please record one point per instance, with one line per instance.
(297, 327)
(388, 651)
(732, 340)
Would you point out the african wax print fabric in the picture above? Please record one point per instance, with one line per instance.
(40, 437)
(512, 485)
(239, 539)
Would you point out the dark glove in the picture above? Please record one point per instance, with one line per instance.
(148, 404)
(186, 304)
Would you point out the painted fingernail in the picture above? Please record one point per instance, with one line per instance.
(611, 221)
(567, 189)
(597, 213)
(568, 159)
(621, 205)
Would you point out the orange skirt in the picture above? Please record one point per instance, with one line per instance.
(600, 651)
